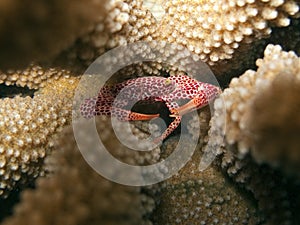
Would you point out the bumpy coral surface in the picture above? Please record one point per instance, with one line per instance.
(214, 29)
(245, 92)
(273, 117)
(258, 130)
(191, 197)
(229, 35)
(33, 77)
(27, 128)
(127, 21)
(75, 194)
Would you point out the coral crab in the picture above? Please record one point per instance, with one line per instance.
(112, 99)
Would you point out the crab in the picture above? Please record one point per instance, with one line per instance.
(113, 99)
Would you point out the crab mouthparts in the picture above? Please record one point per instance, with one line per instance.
(182, 110)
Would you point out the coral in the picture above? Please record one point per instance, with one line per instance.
(273, 115)
(75, 194)
(190, 197)
(233, 22)
(218, 31)
(259, 152)
(28, 126)
(117, 25)
(274, 191)
(209, 197)
(33, 77)
(229, 51)
(33, 30)
(199, 121)
(126, 22)
(130, 21)
(206, 197)
(260, 114)
(243, 93)
(155, 7)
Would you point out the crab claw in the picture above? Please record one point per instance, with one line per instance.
(140, 116)
(186, 108)
(197, 102)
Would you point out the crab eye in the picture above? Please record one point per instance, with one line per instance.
(168, 81)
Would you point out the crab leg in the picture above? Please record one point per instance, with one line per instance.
(175, 123)
(93, 107)
(127, 115)
(169, 130)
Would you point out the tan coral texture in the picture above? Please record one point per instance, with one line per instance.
(214, 29)
(273, 117)
(33, 77)
(126, 22)
(191, 197)
(75, 194)
(259, 106)
(27, 127)
(240, 97)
